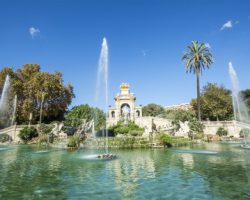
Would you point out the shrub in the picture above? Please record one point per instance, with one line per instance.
(27, 133)
(164, 139)
(135, 132)
(45, 129)
(199, 136)
(130, 129)
(73, 141)
(244, 132)
(195, 126)
(221, 132)
(4, 138)
(43, 138)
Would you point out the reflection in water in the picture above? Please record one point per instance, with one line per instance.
(129, 171)
(136, 174)
(188, 160)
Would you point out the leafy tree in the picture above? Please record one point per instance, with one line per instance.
(177, 116)
(84, 112)
(38, 91)
(246, 97)
(152, 110)
(197, 58)
(216, 103)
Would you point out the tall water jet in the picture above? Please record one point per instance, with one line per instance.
(102, 83)
(4, 95)
(239, 106)
(14, 111)
(4, 104)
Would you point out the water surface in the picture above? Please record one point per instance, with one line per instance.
(29, 172)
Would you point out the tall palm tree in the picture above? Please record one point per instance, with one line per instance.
(197, 58)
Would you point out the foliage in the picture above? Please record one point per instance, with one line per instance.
(4, 138)
(43, 138)
(130, 129)
(244, 133)
(199, 136)
(216, 103)
(33, 87)
(27, 133)
(221, 131)
(164, 139)
(246, 96)
(180, 141)
(197, 58)
(73, 141)
(179, 115)
(195, 126)
(84, 112)
(44, 129)
(152, 110)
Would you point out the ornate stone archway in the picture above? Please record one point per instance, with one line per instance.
(125, 97)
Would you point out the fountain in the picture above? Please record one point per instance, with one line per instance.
(239, 106)
(14, 110)
(4, 95)
(101, 96)
(4, 102)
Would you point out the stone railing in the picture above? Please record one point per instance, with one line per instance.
(13, 131)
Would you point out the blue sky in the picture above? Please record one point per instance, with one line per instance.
(146, 41)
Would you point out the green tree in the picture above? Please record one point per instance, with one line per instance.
(38, 91)
(197, 58)
(246, 96)
(216, 103)
(84, 112)
(177, 116)
(152, 110)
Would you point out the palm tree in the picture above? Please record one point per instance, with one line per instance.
(197, 58)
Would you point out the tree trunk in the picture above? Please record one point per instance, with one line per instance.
(198, 94)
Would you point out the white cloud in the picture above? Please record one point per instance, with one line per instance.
(228, 24)
(34, 31)
(207, 45)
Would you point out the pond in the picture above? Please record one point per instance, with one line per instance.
(207, 171)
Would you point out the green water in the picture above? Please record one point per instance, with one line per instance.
(29, 172)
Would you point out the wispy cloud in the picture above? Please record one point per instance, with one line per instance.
(34, 32)
(228, 24)
(208, 45)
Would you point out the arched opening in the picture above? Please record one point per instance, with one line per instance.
(125, 110)
(113, 114)
(138, 113)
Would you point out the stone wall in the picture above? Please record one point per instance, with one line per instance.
(233, 127)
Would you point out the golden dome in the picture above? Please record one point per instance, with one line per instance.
(124, 86)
